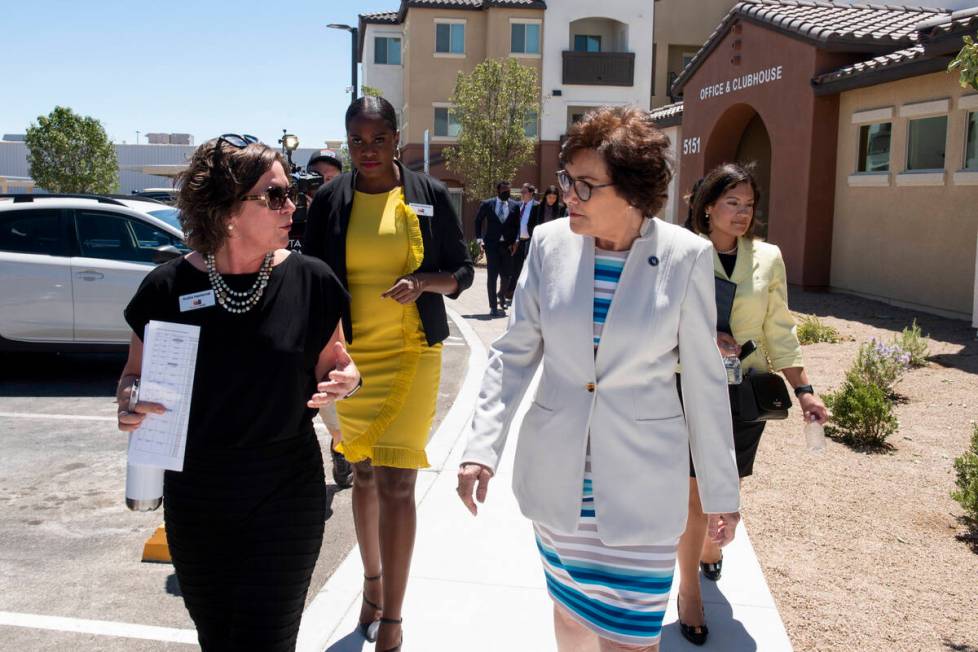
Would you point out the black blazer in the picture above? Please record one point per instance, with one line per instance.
(445, 249)
(494, 229)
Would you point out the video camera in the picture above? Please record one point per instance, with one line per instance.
(306, 183)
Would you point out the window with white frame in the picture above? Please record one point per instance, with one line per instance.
(874, 147)
(446, 125)
(450, 38)
(387, 50)
(927, 143)
(971, 143)
(524, 38)
(530, 127)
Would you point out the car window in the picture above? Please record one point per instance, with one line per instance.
(169, 215)
(104, 235)
(31, 232)
(149, 237)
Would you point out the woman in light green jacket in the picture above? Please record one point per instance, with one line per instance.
(723, 210)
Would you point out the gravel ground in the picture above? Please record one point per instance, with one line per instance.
(867, 551)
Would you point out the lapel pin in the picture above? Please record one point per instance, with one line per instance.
(654, 261)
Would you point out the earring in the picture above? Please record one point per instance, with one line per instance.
(230, 228)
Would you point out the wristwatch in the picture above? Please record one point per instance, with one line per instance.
(803, 389)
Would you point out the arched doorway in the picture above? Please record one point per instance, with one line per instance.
(755, 148)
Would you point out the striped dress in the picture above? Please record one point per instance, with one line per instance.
(618, 592)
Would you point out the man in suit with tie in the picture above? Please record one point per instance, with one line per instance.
(500, 217)
(529, 217)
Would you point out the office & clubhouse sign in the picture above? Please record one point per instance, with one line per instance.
(743, 82)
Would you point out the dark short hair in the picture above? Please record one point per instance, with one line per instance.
(633, 148)
(372, 106)
(211, 187)
(718, 181)
(529, 187)
(499, 184)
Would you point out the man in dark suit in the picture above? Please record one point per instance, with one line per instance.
(500, 217)
(528, 214)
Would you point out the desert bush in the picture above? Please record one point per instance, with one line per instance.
(913, 342)
(812, 330)
(862, 412)
(881, 365)
(966, 469)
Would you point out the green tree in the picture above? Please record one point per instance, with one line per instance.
(71, 153)
(367, 91)
(966, 63)
(492, 105)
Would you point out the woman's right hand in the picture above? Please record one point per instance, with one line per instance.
(469, 475)
(129, 421)
(728, 345)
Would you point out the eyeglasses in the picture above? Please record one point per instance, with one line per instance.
(235, 140)
(275, 197)
(582, 189)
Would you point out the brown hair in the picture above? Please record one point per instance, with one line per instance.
(718, 181)
(634, 150)
(211, 187)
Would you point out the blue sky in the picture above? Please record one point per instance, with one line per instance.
(204, 67)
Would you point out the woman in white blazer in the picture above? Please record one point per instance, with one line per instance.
(609, 300)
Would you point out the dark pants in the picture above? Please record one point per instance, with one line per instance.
(499, 268)
(518, 259)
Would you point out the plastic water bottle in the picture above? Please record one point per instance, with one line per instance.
(814, 435)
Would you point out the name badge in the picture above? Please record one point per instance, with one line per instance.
(423, 209)
(197, 300)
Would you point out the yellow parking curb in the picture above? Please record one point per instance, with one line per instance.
(156, 548)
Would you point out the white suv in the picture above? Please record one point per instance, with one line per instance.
(70, 264)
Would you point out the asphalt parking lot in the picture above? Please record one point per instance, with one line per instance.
(69, 548)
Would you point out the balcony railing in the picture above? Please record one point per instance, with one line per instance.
(599, 68)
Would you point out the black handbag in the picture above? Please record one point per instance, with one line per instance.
(762, 396)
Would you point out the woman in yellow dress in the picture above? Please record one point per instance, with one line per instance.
(393, 237)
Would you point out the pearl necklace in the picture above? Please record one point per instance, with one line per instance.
(729, 251)
(234, 301)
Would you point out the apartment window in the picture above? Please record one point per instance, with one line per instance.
(874, 147)
(450, 38)
(926, 144)
(530, 124)
(387, 50)
(446, 126)
(587, 43)
(525, 38)
(971, 143)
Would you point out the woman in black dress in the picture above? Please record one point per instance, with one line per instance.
(245, 517)
(551, 208)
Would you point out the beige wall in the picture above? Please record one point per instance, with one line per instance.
(909, 245)
(430, 79)
(681, 23)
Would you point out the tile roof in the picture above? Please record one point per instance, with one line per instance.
(875, 64)
(668, 115)
(830, 25)
(397, 16)
(381, 17)
(959, 20)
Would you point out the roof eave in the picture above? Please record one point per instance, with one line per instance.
(886, 74)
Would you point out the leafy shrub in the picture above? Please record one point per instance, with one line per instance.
(862, 412)
(914, 343)
(881, 365)
(475, 251)
(966, 468)
(811, 330)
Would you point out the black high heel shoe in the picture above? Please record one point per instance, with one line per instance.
(712, 571)
(394, 621)
(695, 634)
(369, 630)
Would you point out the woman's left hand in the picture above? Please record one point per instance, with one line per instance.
(342, 380)
(721, 527)
(405, 290)
(812, 406)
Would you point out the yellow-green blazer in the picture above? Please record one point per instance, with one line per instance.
(760, 309)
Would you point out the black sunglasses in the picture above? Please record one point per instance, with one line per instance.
(275, 196)
(582, 189)
(236, 140)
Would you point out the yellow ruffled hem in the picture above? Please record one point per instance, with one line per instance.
(362, 447)
(389, 456)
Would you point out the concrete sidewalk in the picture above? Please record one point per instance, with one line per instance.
(477, 583)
